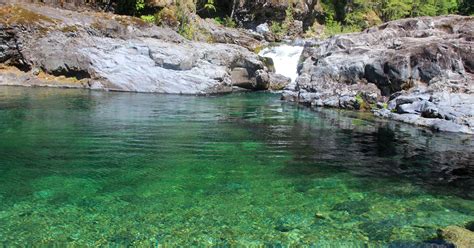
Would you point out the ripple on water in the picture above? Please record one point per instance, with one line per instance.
(97, 168)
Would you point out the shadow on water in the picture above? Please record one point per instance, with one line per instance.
(343, 141)
(241, 169)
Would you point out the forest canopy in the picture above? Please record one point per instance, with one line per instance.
(336, 15)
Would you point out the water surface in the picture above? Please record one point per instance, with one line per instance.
(118, 169)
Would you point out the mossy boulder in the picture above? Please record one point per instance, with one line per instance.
(460, 237)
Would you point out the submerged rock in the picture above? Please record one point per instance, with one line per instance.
(112, 52)
(470, 226)
(420, 67)
(460, 237)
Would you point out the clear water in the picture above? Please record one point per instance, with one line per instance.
(118, 169)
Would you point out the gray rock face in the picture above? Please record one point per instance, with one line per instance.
(220, 34)
(265, 80)
(121, 53)
(422, 68)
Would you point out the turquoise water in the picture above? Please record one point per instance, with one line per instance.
(118, 169)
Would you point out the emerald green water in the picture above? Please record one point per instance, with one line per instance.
(117, 169)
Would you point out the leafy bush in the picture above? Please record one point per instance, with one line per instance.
(466, 7)
(209, 6)
(186, 26)
(333, 27)
(289, 19)
(276, 28)
(148, 18)
(167, 17)
(226, 21)
(187, 30)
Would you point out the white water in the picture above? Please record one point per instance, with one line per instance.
(285, 57)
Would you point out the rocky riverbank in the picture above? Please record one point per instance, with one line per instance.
(57, 47)
(418, 71)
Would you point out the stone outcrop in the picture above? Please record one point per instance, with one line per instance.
(460, 237)
(416, 70)
(111, 52)
(216, 33)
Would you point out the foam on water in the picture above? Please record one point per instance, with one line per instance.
(285, 57)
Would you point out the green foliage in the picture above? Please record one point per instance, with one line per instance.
(126, 7)
(167, 17)
(289, 19)
(466, 7)
(281, 29)
(187, 30)
(339, 16)
(130, 7)
(148, 18)
(276, 28)
(209, 6)
(396, 9)
(366, 13)
(139, 5)
(226, 21)
(333, 27)
(186, 26)
(363, 105)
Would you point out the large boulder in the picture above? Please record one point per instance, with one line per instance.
(218, 33)
(460, 237)
(112, 52)
(428, 56)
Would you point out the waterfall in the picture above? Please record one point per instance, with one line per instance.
(285, 57)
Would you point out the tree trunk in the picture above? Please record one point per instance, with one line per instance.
(233, 9)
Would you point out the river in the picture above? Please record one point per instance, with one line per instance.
(101, 168)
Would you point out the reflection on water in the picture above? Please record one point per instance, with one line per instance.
(96, 168)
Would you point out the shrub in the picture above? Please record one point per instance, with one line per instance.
(148, 18)
(229, 22)
(187, 30)
(289, 19)
(167, 17)
(333, 27)
(276, 28)
(226, 21)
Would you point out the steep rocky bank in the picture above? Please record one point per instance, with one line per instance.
(418, 70)
(105, 51)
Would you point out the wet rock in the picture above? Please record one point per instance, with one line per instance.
(241, 78)
(414, 244)
(263, 29)
(292, 222)
(379, 231)
(353, 207)
(262, 80)
(460, 237)
(295, 29)
(278, 82)
(270, 81)
(470, 226)
(418, 65)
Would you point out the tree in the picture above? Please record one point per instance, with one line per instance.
(466, 7)
(396, 9)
